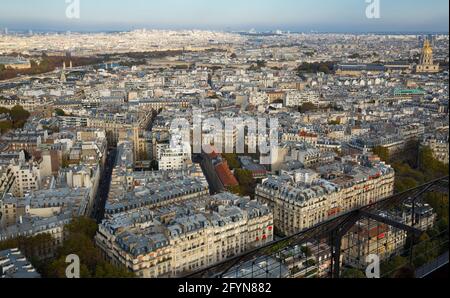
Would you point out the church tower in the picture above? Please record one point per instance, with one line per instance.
(63, 73)
(426, 60)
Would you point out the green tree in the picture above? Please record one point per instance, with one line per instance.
(79, 240)
(261, 63)
(60, 112)
(334, 122)
(19, 116)
(36, 249)
(232, 160)
(440, 204)
(307, 107)
(154, 165)
(405, 272)
(405, 183)
(5, 126)
(237, 190)
(431, 167)
(353, 273)
(306, 250)
(390, 267)
(246, 182)
(4, 110)
(382, 153)
(325, 67)
(427, 250)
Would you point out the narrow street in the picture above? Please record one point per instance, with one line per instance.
(104, 186)
(215, 185)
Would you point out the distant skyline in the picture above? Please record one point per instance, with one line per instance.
(262, 15)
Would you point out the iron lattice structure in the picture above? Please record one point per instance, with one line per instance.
(389, 228)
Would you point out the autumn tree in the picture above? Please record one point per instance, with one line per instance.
(79, 241)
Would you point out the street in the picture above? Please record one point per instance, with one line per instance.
(104, 186)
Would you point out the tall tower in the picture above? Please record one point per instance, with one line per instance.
(426, 64)
(63, 74)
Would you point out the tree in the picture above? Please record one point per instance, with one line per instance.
(440, 204)
(19, 116)
(382, 153)
(4, 110)
(237, 190)
(60, 112)
(431, 167)
(334, 122)
(427, 250)
(307, 107)
(246, 182)
(405, 272)
(307, 251)
(32, 247)
(261, 63)
(5, 126)
(405, 183)
(325, 67)
(232, 160)
(353, 273)
(154, 165)
(388, 268)
(79, 241)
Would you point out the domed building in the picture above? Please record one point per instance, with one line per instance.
(426, 60)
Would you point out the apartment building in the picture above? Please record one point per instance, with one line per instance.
(170, 243)
(439, 145)
(296, 98)
(13, 264)
(298, 205)
(154, 191)
(174, 156)
(27, 178)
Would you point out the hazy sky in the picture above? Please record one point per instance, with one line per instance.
(294, 15)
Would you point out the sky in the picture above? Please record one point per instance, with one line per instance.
(262, 15)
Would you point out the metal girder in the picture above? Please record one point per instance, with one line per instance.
(334, 229)
(392, 223)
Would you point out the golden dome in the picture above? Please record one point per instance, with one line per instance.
(427, 49)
